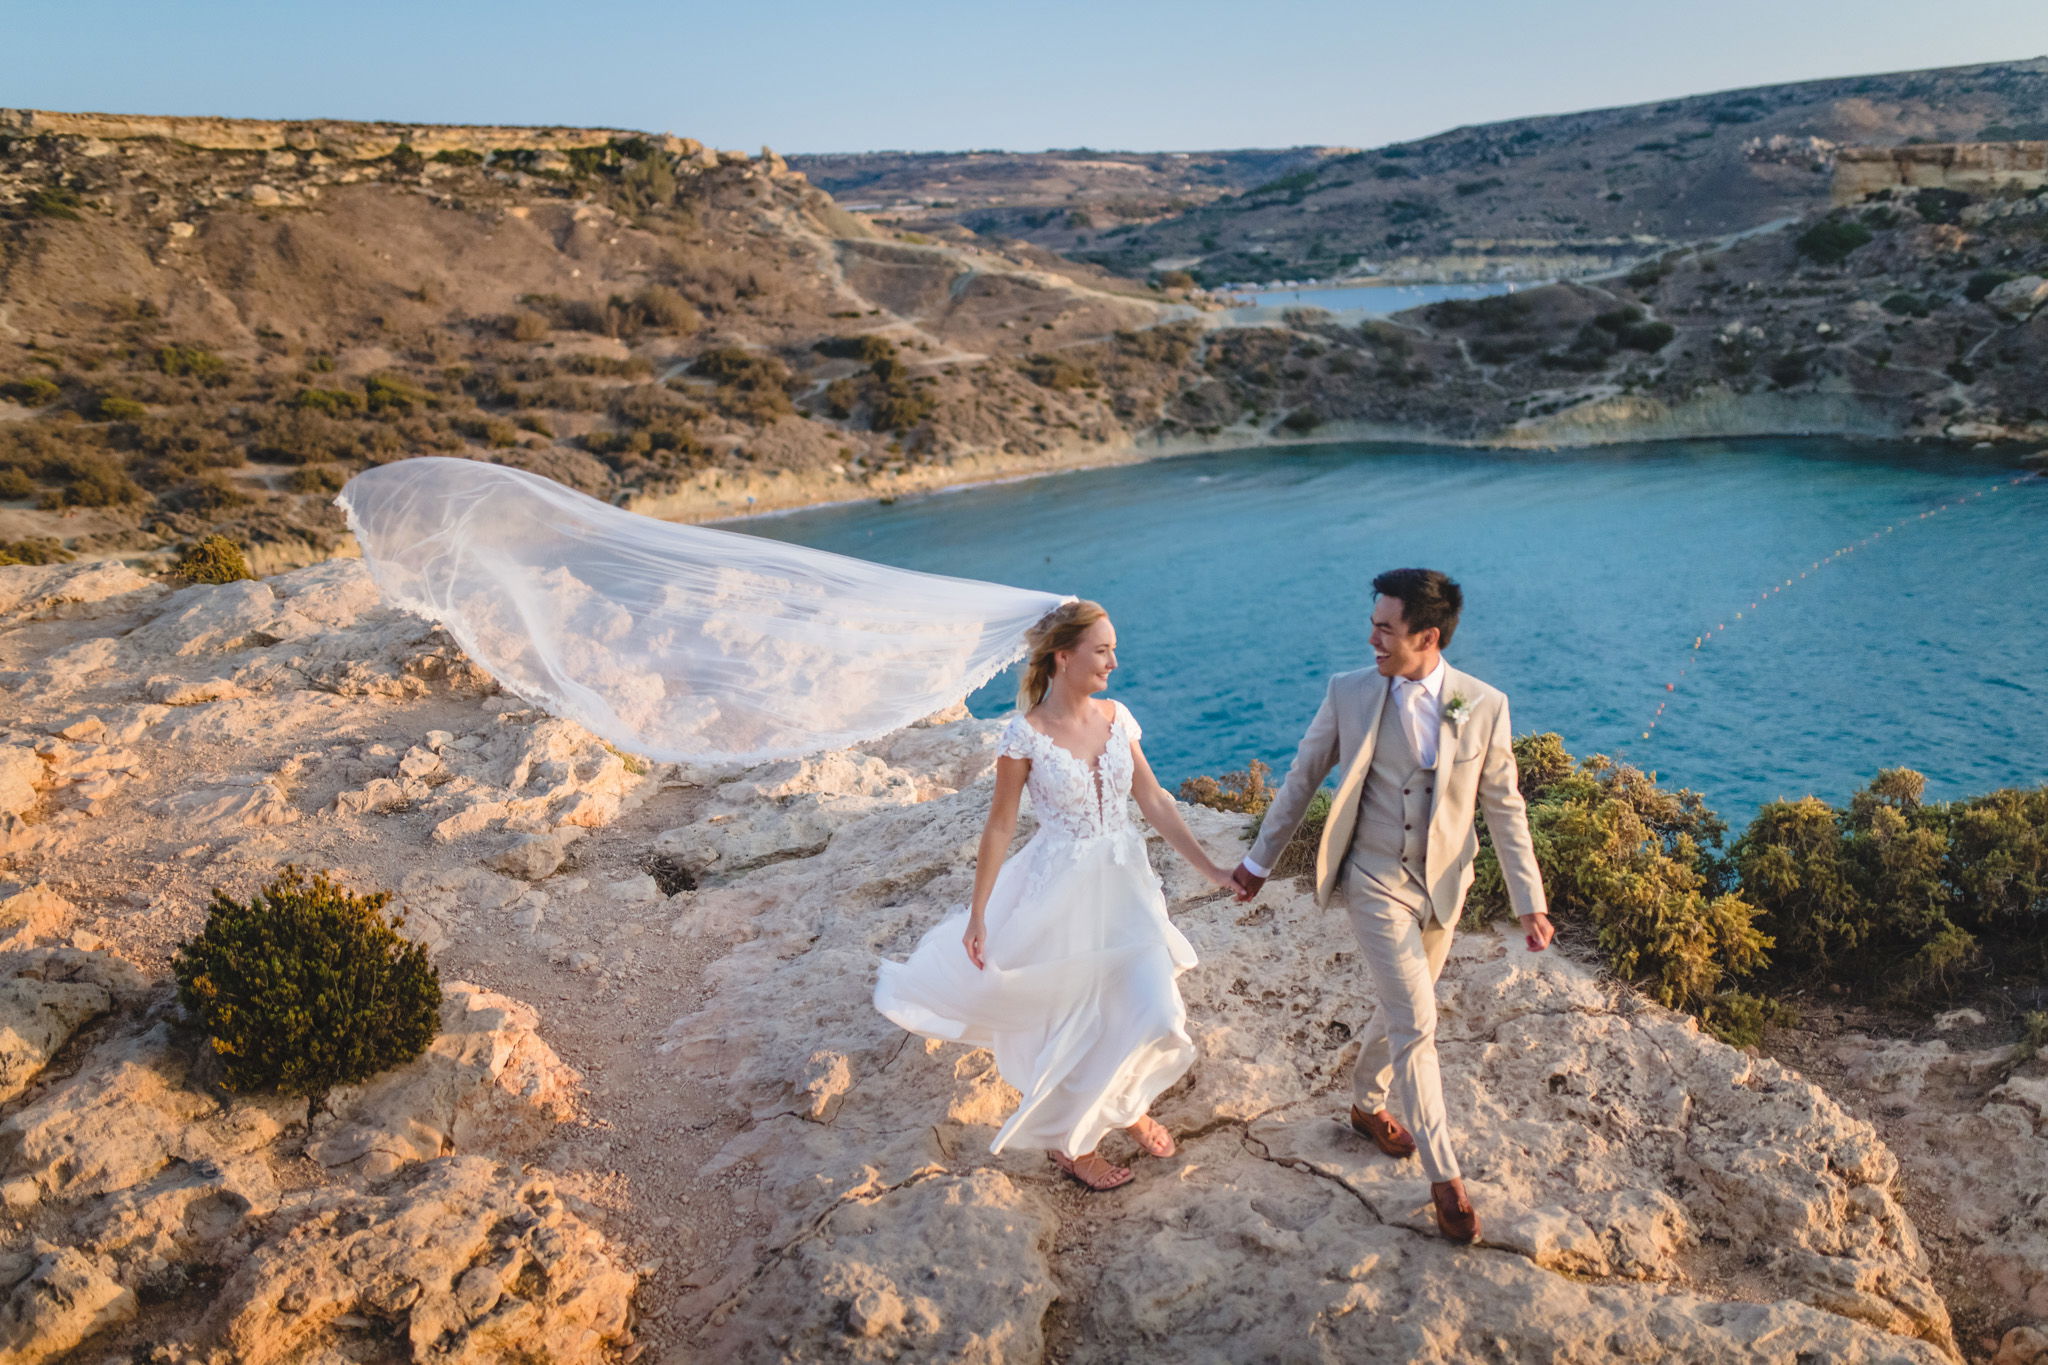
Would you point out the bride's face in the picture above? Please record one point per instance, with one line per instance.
(1092, 659)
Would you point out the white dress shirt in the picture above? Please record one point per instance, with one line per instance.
(1419, 705)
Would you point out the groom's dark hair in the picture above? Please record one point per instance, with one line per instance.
(1428, 598)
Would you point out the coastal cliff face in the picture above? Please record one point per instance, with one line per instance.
(698, 1137)
(1966, 167)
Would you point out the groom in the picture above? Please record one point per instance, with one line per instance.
(1419, 743)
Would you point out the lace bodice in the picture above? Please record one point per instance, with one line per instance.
(1069, 796)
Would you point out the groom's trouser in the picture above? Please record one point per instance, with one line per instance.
(1405, 947)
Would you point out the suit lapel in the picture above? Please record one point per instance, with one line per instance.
(1446, 741)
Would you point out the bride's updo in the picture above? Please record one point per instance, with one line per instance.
(1061, 628)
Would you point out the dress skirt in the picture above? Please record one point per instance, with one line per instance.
(1079, 1001)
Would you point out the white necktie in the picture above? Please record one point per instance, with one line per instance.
(1415, 722)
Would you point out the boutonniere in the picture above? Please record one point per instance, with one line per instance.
(1457, 708)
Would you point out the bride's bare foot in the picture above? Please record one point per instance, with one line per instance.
(1092, 1171)
(1150, 1134)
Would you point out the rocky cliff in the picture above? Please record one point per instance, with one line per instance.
(698, 1136)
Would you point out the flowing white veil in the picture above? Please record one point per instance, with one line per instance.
(676, 642)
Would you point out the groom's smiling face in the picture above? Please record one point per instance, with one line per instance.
(1397, 652)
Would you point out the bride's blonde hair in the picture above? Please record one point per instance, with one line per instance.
(1061, 628)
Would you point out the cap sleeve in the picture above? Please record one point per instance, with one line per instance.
(1130, 721)
(1015, 740)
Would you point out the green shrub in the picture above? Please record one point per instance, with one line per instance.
(459, 156)
(88, 478)
(33, 392)
(525, 325)
(193, 361)
(112, 407)
(1060, 373)
(15, 483)
(35, 550)
(1175, 279)
(215, 559)
(1830, 241)
(1936, 205)
(1897, 897)
(307, 987)
(336, 402)
(1650, 336)
(1904, 304)
(1983, 282)
(1637, 863)
(316, 478)
(54, 201)
(388, 394)
(661, 309)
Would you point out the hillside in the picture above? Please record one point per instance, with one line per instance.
(196, 335)
(1534, 197)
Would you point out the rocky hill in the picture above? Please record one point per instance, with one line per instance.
(197, 335)
(1530, 198)
(697, 1137)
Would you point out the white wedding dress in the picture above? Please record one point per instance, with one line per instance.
(1078, 1001)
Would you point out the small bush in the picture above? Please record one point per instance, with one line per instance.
(526, 325)
(307, 987)
(1906, 305)
(316, 478)
(1175, 279)
(1830, 241)
(54, 201)
(215, 559)
(1243, 792)
(1636, 862)
(33, 392)
(34, 550)
(335, 402)
(1983, 282)
(194, 362)
(112, 407)
(388, 394)
(1649, 336)
(459, 156)
(88, 478)
(14, 483)
(662, 309)
(1060, 373)
(1935, 205)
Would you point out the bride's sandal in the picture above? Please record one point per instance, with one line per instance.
(1092, 1171)
(1150, 1134)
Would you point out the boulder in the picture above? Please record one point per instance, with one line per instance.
(2019, 298)
(30, 590)
(208, 617)
(486, 1084)
(31, 914)
(56, 1297)
(36, 1019)
(468, 1262)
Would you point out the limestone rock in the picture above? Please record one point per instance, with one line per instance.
(37, 1018)
(487, 1084)
(232, 804)
(787, 810)
(57, 1296)
(2023, 1346)
(30, 914)
(122, 1118)
(471, 1264)
(188, 1211)
(29, 590)
(21, 777)
(947, 1266)
(534, 856)
(208, 617)
(2019, 298)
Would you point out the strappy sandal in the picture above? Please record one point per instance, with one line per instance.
(1150, 1134)
(1106, 1177)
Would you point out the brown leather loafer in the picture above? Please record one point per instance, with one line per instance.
(1456, 1219)
(1385, 1131)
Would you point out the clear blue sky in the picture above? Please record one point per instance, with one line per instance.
(809, 77)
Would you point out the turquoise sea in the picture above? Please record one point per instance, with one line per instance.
(1239, 581)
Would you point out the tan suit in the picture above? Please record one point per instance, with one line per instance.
(1404, 886)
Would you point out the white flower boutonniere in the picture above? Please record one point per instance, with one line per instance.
(1456, 708)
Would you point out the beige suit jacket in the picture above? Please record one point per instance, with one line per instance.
(1475, 770)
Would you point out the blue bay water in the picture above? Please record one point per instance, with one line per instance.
(1378, 300)
(1240, 581)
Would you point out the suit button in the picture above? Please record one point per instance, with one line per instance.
(1407, 827)
(1404, 791)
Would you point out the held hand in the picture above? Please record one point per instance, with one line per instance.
(976, 942)
(1247, 885)
(1537, 932)
(1221, 880)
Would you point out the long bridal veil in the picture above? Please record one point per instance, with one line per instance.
(676, 642)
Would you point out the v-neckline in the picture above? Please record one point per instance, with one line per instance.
(1092, 765)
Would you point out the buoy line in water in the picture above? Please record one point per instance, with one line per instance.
(1696, 655)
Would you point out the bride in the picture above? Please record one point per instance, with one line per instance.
(1064, 964)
